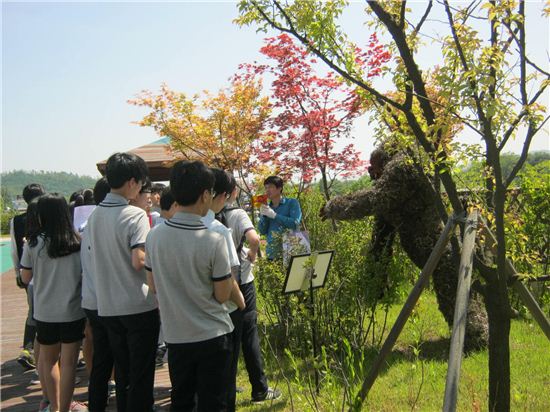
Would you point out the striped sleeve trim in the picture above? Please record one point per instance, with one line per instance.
(222, 278)
(137, 245)
(248, 229)
(24, 267)
(147, 268)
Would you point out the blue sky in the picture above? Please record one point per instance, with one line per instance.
(69, 68)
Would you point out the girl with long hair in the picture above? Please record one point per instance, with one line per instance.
(51, 258)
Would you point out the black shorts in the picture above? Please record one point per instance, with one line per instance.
(50, 333)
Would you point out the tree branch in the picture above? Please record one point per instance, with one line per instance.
(520, 116)
(423, 19)
(305, 41)
(522, 68)
(402, 14)
(531, 132)
(487, 132)
(529, 62)
(406, 54)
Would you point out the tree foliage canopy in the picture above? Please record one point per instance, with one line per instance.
(223, 130)
(486, 81)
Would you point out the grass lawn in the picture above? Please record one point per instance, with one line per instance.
(414, 378)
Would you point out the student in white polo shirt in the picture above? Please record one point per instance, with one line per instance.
(246, 331)
(126, 306)
(189, 269)
(222, 189)
(102, 361)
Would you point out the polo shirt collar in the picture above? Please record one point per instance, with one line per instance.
(114, 198)
(186, 217)
(208, 218)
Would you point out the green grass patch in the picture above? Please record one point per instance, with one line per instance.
(414, 376)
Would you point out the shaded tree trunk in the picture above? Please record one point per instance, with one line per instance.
(499, 349)
(326, 194)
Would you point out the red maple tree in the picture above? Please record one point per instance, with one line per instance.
(313, 112)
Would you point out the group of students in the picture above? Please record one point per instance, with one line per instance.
(128, 269)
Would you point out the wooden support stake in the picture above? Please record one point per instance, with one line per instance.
(461, 312)
(528, 299)
(406, 311)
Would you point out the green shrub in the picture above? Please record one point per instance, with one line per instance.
(5, 218)
(345, 308)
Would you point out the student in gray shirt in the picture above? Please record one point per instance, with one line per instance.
(188, 266)
(126, 306)
(51, 258)
(246, 328)
(102, 361)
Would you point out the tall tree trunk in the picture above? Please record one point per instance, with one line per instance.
(499, 350)
(326, 193)
(498, 303)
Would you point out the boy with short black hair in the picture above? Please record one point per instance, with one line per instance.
(246, 330)
(18, 233)
(167, 206)
(156, 193)
(126, 306)
(97, 344)
(223, 189)
(188, 266)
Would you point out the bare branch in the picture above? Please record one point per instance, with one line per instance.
(520, 116)
(410, 64)
(423, 19)
(468, 11)
(522, 68)
(531, 132)
(402, 14)
(473, 83)
(530, 63)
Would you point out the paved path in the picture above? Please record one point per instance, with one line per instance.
(16, 394)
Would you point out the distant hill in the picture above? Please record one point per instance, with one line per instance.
(60, 182)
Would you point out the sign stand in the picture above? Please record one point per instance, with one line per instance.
(309, 271)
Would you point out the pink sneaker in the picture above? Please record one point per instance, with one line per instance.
(78, 407)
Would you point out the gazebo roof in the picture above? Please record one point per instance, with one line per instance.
(159, 157)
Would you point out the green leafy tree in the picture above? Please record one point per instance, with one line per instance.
(490, 85)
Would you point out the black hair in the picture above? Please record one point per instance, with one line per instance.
(166, 199)
(88, 195)
(56, 226)
(275, 181)
(122, 167)
(32, 191)
(146, 186)
(223, 183)
(232, 182)
(158, 188)
(189, 180)
(32, 222)
(75, 197)
(101, 189)
(78, 200)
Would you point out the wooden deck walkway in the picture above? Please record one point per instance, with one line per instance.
(17, 394)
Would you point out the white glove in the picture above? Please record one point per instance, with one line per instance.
(267, 212)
